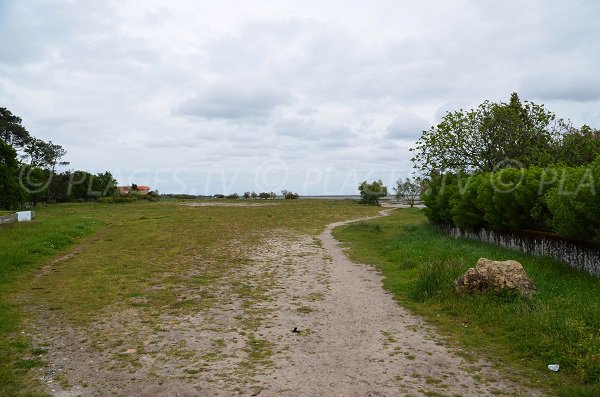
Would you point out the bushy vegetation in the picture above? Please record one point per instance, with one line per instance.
(370, 193)
(409, 191)
(556, 199)
(287, 195)
(253, 195)
(512, 166)
(181, 196)
(560, 324)
(575, 204)
(267, 195)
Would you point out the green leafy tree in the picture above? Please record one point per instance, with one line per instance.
(287, 195)
(53, 154)
(408, 191)
(44, 154)
(82, 185)
(579, 147)
(11, 194)
(11, 130)
(35, 182)
(106, 184)
(35, 152)
(370, 193)
(493, 136)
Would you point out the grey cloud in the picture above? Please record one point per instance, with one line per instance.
(312, 130)
(562, 84)
(327, 62)
(407, 126)
(170, 143)
(307, 111)
(235, 102)
(38, 30)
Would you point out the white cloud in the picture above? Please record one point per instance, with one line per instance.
(201, 94)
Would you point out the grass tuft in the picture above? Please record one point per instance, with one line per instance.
(435, 279)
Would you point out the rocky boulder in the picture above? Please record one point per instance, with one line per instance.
(495, 275)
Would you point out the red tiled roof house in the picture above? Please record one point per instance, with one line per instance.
(141, 189)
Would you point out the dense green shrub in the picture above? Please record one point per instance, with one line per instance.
(574, 203)
(513, 199)
(439, 196)
(496, 200)
(370, 193)
(289, 195)
(267, 195)
(465, 210)
(557, 199)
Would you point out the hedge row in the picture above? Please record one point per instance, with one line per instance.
(557, 199)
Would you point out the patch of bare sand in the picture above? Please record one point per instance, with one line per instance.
(352, 338)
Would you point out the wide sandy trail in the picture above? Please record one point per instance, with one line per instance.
(362, 343)
(351, 339)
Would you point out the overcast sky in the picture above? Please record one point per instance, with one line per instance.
(209, 97)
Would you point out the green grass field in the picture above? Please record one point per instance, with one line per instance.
(114, 256)
(560, 324)
(121, 251)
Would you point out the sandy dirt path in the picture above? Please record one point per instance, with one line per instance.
(299, 320)
(362, 343)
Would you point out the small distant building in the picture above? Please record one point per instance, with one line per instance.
(124, 190)
(143, 189)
